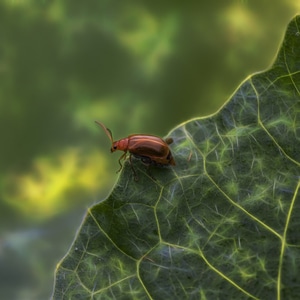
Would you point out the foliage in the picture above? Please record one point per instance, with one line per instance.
(223, 223)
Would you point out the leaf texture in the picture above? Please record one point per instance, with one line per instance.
(223, 223)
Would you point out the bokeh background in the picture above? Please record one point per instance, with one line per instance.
(137, 66)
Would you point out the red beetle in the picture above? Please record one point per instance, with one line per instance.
(151, 149)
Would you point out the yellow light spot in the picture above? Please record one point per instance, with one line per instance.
(43, 191)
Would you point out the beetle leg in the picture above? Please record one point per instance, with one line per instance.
(169, 140)
(133, 170)
(122, 157)
(148, 162)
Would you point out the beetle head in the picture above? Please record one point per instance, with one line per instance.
(109, 134)
(114, 147)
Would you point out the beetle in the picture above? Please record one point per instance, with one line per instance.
(150, 149)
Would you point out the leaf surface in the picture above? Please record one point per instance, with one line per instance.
(223, 223)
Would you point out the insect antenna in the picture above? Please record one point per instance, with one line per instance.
(106, 130)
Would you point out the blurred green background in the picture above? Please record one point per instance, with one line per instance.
(137, 66)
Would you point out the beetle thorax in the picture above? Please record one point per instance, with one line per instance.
(120, 145)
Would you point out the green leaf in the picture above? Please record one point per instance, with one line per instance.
(223, 223)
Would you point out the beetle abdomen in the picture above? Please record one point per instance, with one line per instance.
(151, 148)
(148, 145)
